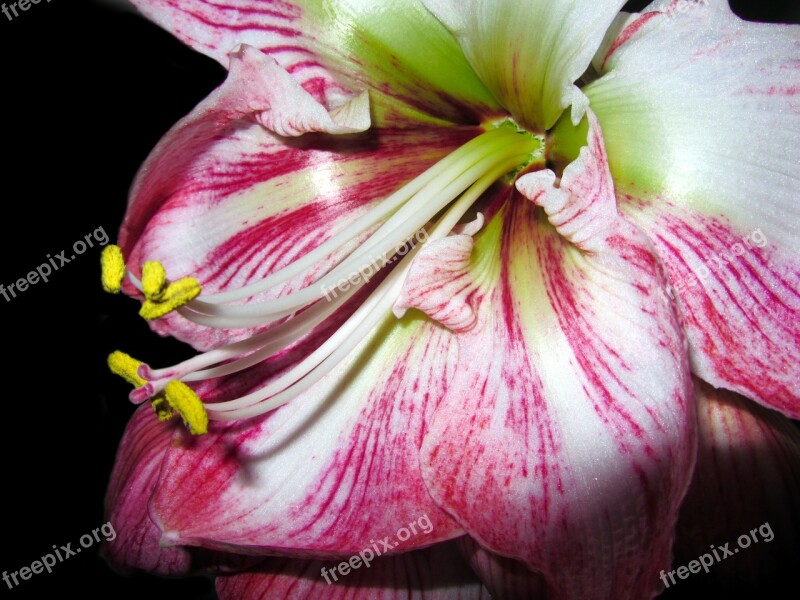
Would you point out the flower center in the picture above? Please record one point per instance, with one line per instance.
(402, 223)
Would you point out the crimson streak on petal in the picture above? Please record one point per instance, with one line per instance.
(316, 474)
(566, 439)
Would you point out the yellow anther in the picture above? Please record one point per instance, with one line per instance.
(154, 280)
(112, 264)
(126, 367)
(174, 296)
(188, 405)
(163, 410)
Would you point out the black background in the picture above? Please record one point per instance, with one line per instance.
(87, 90)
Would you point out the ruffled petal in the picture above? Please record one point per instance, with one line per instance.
(566, 439)
(440, 281)
(700, 111)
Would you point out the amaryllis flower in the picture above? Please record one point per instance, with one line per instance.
(451, 266)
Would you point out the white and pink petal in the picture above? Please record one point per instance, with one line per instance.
(566, 439)
(315, 477)
(224, 199)
(136, 471)
(739, 294)
(136, 545)
(700, 112)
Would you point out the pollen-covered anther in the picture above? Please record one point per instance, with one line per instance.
(126, 367)
(175, 295)
(184, 401)
(112, 265)
(164, 410)
(154, 280)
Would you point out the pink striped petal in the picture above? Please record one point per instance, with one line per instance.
(503, 577)
(326, 473)
(740, 297)
(133, 480)
(136, 545)
(440, 281)
(530, 54)
(410, 64)
(224, 200)
(700, 112)
(566, 439)
(747, 482)
(437, 573)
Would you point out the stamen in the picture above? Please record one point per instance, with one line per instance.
(459, 181)
(366, 318)
(384, 208)
(177, 294)
(391, 235)
(252, 351)
(112, 265)
(184, 401)
(154, 280)
(315, 358)
(164, 411)
(126, 367)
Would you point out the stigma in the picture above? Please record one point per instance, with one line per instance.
(424, 210)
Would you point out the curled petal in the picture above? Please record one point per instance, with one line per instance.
(136, 544)
(440, 283)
